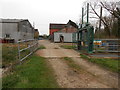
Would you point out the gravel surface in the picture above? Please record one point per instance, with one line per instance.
(90, 75)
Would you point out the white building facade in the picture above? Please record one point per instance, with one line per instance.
(63, 37)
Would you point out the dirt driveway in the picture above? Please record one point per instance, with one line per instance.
(91, 75)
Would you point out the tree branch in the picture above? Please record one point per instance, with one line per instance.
(114, 12)
(99, 16)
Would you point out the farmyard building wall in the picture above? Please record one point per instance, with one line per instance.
(21, 30)
(66, 36)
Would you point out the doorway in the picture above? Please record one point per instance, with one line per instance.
(61, 38)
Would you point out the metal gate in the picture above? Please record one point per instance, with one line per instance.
(27, 46)
(85, 38)
(106, 45)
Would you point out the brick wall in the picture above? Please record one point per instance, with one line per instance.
(69, 29)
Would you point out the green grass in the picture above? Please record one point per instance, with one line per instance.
(67, 46)
(68, 59)
(34, 73)
(110, 64)
(9, 54)
(72, 64)
(42, 47)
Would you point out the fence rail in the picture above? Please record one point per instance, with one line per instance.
(103, 45)
(32, 46)
(106, 45)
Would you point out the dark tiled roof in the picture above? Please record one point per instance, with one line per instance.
(57, 26)
(72, 23)
(11, 20)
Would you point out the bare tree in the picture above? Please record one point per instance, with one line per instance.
(109, 20)
(93, 7)
(112, 8)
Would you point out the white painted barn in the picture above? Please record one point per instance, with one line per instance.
(66, 34)
(62, 37)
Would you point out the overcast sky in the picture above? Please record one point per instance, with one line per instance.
(42, 12)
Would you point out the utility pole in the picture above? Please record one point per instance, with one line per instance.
(87, 13)
(82, 14)
(100, 22)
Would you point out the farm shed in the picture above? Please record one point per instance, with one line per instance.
(70, 27)
(67, 33)
(54, 27)
(62, 37)
(16, 29)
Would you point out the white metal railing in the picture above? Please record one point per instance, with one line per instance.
(32, 46)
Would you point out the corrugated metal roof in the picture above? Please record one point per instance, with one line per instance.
(11, 20)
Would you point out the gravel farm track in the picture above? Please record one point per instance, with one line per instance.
(90, 75)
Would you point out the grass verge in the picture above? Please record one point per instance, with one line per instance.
(42, 47)
(110, 64)
(76, 67)
(9, 54)
(34, 73)
(72, 64)
(67, 46)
